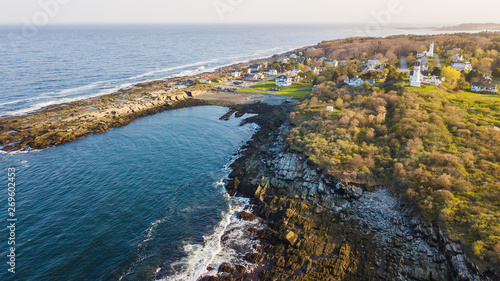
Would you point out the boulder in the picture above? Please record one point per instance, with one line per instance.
(241, 269)
(225, 267)
(291, 237)
(247, 216)
(254, 258)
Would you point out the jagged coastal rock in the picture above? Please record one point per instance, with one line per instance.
(320, 228)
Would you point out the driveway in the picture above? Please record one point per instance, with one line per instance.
(437, 62)
(404, 66)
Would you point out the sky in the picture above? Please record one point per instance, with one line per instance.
(381, 12)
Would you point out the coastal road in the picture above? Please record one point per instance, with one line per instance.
(437, 62)
(404, 66)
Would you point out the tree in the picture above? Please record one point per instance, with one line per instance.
(473, 76)
(335, 75)
(422, 48)
(436, 71)
(452, 76)
(496, 72)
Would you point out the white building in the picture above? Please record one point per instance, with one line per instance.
(205, 81)
(236, 74)
(293, 56)
(462, 65)
(315, 70)
(254, 68)
(283, 81)
(484, 87)
(372, 64)
(429, 53)
(431, 50)
(432, 80)
(417, 76)
(457, 57)
(331, 63)
(272, 72)
(330, 108)
(356, 81)
(424, 64)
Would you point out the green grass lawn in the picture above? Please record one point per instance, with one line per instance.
(294, 91)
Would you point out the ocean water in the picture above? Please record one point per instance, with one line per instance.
(61, 64)
(143, 199)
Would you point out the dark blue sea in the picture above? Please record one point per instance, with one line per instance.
(141, 202)
(130, 202)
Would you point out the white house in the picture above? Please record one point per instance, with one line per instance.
(255, 76)
(272, 72)
(484, 87)
(205, 81)
(293, 56)
(283, 60)
(331, 63)
(356, 81)
(372, 64)
(421, 54)
(283, 81)
(424, 63)
(254, 68)
(457, 57)
(432, 80)
(330, 108)
(236, 74)
(462, 65)
(315, 70)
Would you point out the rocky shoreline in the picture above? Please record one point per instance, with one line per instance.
(319, 228)
(62, 123)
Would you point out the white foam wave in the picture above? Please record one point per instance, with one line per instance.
(201, 256)
(61, 100)
(151, 73)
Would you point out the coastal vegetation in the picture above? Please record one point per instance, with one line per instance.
(439, 147)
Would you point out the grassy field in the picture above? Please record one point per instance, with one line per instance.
(295, 91)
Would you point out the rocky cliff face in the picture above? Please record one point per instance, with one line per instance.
(323, 229)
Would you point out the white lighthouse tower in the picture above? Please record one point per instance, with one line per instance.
(417, 77)
(431, 50)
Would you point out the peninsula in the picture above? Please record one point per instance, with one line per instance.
(384, 167)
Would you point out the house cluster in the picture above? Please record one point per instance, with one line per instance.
(254, 72)
(427, 54)
(461, 65)
(283, 81)
(484, 85)
(458, 62)
(373, 65)
(419, 76)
